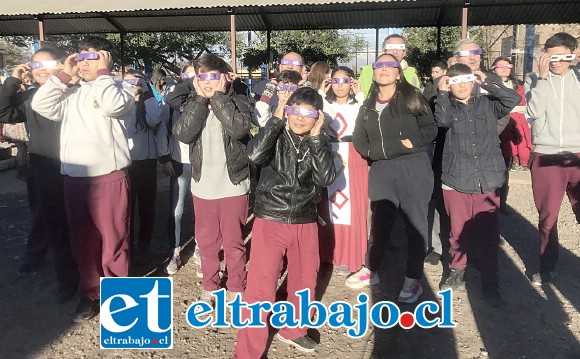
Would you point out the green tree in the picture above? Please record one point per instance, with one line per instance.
(13, 55)
(331, 46)
(422, 45)
(167, 49)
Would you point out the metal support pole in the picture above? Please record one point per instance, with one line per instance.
(376, 42)
(233, 38)
(122, 35)
(40, 32)
(464, 24)
(269, 51)
(439, 42)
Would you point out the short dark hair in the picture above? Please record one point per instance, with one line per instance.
(442, 65)
(562, 39)
(96, 42)
(458, 69)
(306, 96)
(210, 62)
(289, 77)
(54, 52)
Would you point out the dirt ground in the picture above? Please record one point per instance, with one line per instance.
(533, 323)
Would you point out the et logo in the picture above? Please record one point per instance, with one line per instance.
(136, 313)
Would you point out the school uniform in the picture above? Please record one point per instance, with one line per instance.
(293, 173)
(473, 170)
(94, 156)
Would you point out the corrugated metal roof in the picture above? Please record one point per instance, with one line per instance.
(183, 15)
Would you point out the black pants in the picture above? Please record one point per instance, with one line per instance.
(404, 183)
(49, 224)
(143, 177)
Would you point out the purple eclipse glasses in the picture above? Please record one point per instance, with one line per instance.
(380, 65)
(297, 111)
(42, 64)
(286, 87)
(464, 53)
(133, 82)
(291, 62)
(209, 76)
(340, 80)
(186, 75)
(87, 56)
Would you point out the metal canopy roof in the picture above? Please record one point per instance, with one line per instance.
(109, 16)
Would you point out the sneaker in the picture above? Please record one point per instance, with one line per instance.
(305, 343)
(515, 167)
(198, 272)
(411, 291)
(543, 278)
(455, 281)
(341, 269)
(492, 297)
(86, 309)
(433, 258)
(174, 264)
(196, 257)
(362, 278)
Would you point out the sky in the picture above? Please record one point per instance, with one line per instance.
(370, 38)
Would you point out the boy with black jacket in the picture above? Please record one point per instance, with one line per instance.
(296, 162)
(473, 170)
(216, 122)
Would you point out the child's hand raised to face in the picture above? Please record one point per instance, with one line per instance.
(480, 76)
(105, 60)
(282, 101)
(71, 65)
(443, 84)
(318, 125)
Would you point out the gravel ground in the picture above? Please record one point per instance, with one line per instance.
(533, 323)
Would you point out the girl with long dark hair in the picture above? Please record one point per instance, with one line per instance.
(393, 129)
(143, 168)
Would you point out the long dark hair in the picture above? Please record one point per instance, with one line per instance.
(414, 100)
(141, 113)
(511, 75)
(331, 96)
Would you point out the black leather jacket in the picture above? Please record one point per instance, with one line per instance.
(234, 113)
(292, 175)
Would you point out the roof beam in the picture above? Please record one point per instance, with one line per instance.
(115, 23)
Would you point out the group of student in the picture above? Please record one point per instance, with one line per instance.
(338, 159)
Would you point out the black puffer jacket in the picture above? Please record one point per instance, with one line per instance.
(380, 138)
(292, 175)
(234, 113)
(472, 159)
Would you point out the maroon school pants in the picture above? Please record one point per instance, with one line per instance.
(98, 213)
(474, 217)
(270, 242)
(219, 222)
(552, 176)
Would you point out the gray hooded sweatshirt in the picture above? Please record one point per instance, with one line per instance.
(554, 106)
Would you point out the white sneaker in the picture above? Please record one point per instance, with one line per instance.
(362, 278)
(173, 265)
(411, 291)
(207, 297)
(196, 257)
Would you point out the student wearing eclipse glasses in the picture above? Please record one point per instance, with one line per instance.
(45, 183)
(297, 163)
(473, 170)
(94, 157)
(215, 120)
(555, 163)
(393, 129)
